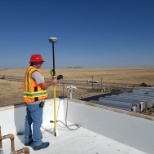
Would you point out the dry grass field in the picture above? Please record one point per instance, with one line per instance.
(11, 92)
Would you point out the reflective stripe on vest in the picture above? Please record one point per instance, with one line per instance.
(34, 94)
(28, 79)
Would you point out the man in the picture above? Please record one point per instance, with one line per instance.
(35, 93)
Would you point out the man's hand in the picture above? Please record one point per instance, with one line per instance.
(54, 81)
(46, 84)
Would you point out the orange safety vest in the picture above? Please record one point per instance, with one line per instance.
(32, 91)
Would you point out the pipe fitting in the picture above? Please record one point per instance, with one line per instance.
(11, 137)
(22, 151)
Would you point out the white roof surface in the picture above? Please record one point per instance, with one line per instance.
(80, 141)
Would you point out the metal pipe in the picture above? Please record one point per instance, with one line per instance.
(22, 151)
(11, 137)
(101, 83)
(63, 90)
(92, 83)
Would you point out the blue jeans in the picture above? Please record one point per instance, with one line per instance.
(34, 116)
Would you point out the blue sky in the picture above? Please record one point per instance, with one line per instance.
(100, 33)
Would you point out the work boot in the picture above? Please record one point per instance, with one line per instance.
(43, 145)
